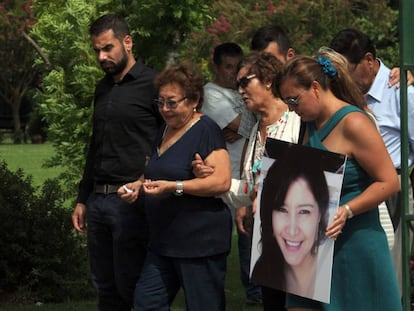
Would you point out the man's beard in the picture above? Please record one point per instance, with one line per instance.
(115, 68)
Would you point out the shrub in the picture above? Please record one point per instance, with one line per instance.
(42, 259)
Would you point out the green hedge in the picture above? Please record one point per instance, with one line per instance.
(42, 259)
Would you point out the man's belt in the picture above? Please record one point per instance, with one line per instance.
(106, 188)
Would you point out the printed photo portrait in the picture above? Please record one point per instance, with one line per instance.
(298, 195)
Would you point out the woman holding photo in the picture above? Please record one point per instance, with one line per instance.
(323, 93)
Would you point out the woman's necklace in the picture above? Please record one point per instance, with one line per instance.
(275, 130)
(165, 146)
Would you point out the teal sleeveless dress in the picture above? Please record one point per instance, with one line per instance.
(363, 276)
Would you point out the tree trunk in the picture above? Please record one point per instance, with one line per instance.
(18, 134)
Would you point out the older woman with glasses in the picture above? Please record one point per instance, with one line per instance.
(190, 229)
(255, 84)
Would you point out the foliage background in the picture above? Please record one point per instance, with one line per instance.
(18, 75)
(309, 24)
(164, 31)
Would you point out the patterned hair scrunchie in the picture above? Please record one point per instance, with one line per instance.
(327, 66)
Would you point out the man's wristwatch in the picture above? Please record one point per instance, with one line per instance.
(179, 190)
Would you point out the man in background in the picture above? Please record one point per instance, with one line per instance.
(274, 40)
(372, 77)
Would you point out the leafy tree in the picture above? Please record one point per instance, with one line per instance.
(160, 27)
(62, 32)
(310, 24)
(17, 56)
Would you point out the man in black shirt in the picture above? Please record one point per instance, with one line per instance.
(125, 122)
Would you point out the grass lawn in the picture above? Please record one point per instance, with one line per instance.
(30, 158)
(69, 306)
(234, 294)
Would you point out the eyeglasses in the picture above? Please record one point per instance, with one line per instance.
(244, 82)
(171, 104)
(293, 101)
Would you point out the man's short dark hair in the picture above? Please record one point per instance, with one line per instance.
(353, 44)
(110, 21)
(226, 49)
(270, 33)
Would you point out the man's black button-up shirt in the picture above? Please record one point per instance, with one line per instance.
(125, 122)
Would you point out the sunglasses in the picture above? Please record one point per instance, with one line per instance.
(244, 82)
(293, 101)
(171, 104)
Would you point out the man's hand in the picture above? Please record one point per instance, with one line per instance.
(230, 136)
(244, 220)
(395, 77)
(410, 78)
(79, 218)
(253, 193)
(130, 191)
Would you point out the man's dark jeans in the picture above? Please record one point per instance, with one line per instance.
(117, 240)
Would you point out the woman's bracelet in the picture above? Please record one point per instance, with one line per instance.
(349, 211)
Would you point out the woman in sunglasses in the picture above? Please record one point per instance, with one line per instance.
(255, 83)
(190, 229)
(323, 93)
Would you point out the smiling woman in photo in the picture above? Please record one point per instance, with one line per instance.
(294, 215)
